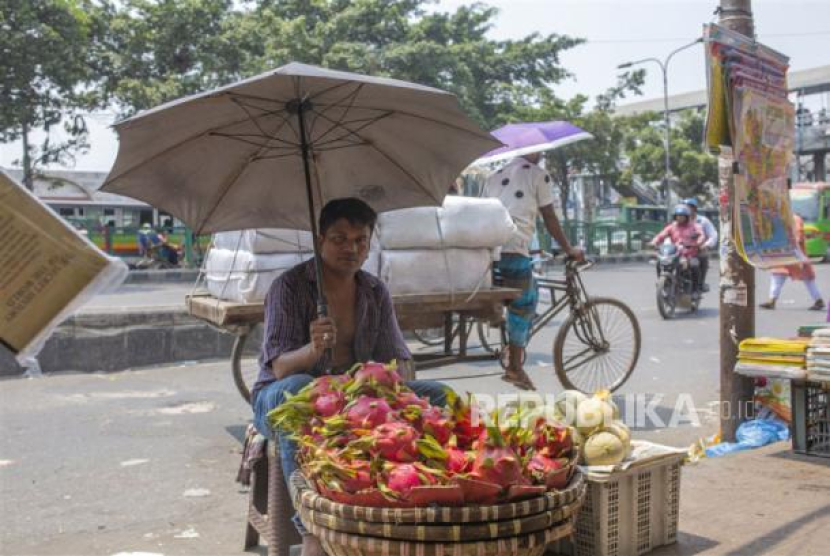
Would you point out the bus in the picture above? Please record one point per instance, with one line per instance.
(811, 201)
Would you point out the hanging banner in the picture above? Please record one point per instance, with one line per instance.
(749, 111)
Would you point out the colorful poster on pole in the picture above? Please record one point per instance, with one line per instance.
(749, 111)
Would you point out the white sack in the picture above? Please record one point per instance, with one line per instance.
(265, 240)
(246, 277)
(435, 271)
(464, 222)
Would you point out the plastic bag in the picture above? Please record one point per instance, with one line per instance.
(752, 434)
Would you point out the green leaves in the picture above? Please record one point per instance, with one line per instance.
(49, 74)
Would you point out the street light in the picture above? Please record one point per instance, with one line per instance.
(664, 66)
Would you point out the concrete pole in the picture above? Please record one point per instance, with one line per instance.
(737, 278)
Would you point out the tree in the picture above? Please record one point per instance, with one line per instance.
(160, 50)
(600, 155)
(694, 169)
(48, 75)
(165, 49)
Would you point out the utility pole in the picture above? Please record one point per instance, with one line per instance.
(737, 278)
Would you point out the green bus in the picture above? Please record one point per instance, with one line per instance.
(811, 201)
(622, 213)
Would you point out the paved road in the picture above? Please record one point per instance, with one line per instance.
(143, 460)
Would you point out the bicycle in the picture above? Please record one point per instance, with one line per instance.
(598, 345)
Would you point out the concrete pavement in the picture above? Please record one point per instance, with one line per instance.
(144, 460)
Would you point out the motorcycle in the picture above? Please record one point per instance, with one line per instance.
(675, 281)
(159, 257)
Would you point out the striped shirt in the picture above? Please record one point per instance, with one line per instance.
(291, 305)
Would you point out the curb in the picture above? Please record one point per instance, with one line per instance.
(162, 276)
(119, 340)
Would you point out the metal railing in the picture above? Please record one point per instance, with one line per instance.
(123, 242)
(606, 238)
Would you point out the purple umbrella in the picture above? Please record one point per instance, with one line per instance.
(533, 137)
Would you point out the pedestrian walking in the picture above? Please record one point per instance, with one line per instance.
(799, 271)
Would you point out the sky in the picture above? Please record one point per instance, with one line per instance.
(617, 31)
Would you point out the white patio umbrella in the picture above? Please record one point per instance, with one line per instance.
(269, 151)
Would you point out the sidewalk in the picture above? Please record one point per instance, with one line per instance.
(144, 461)
(765, 501)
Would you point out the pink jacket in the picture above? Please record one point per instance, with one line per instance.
(682, 237)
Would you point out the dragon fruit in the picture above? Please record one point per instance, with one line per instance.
(552, 440)
(367, 412)
(329, 404)
(497, 463)
(450, 458)
(376, 375)
(548, 471)
(407, 398)
(464, 428)
(436, 423)
(395, 441)
(328, 384)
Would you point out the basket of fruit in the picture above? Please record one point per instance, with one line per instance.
(385, 472)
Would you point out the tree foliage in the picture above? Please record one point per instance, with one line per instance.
(165, 49)
(50, 64)
(693, 169)
(599, 156)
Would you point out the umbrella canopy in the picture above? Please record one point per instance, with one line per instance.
(270, 150)
(533, 137)
(249, 155)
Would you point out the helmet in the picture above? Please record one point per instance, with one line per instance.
(682, 210)
(691, 201)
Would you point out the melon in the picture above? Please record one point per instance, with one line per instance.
(621, 431)
(566, 404)
(604, 448)
(592, 414)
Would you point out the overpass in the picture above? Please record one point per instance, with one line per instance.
(812, 133)
(804, 82)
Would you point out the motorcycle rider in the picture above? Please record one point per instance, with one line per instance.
(689, 237)
(711, 240)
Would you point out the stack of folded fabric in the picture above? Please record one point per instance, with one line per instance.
(773, 357)
(818, 356)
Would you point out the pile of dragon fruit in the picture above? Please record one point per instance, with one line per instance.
(366, 439)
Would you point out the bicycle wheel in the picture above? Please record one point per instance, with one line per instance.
(597, 348)
(493, 338)
(245, 367)
(429, 336)
(666, 298)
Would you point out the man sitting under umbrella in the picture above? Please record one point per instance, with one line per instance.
(361, 326)
(525, 190)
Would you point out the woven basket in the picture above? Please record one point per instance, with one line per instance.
(343, 544)
(305, 497)
(521, 528)
(443, 532)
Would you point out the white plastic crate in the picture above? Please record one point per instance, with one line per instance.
(631, 512)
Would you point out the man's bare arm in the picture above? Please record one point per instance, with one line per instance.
(323, 336)
(555, 230)
(293, 362)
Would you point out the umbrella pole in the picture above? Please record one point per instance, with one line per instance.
(322, 304)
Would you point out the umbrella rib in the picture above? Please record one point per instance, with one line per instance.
(254, 120)
(344, 126)
(419, 117)
(230, 183)
(350, 105)
(205, 133)
(390, 159)
(243, 139)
